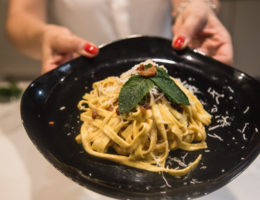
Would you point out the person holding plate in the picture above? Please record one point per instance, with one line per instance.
(81, 25)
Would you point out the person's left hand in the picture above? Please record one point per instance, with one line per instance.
(198, 27)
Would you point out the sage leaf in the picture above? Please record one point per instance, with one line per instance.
(163, 81)
(148, 66)
(162, 72)
(132, 92)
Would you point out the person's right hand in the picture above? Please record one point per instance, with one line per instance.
(59, 45)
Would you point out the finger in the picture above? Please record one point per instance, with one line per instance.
(47, 68)
(57, 60)
(51, 61)
(224, 59)
(75, 55)
(186, 29)
(225, 54)
(71, 43)
(46, 59)
(62, 58)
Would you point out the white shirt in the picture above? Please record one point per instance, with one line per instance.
(102, 21)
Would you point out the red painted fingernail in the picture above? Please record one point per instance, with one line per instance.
(90, 48)
(178, 43)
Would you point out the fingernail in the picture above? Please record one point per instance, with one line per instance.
(178, 43)
(90, 48)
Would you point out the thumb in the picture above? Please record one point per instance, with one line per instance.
(185, 29)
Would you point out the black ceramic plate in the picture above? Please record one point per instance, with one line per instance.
(232, 97)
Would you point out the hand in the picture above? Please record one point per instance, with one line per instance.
(198, 27)
(59, 45)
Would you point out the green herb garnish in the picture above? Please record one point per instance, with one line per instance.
(138, 86)
(133, 92)
(148, 66)
(163, 81)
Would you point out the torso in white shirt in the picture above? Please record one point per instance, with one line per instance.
(102, 21)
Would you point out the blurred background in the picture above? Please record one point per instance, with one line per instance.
(239, 16)
(27, 180)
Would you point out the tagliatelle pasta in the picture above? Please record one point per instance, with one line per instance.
(143, 137)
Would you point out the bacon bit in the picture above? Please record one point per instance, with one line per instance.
(115, 103)
(117, 111)
(142, 108)
(51, 123)
(94, 113)
(147, 107)
(141, 68)
(152, 71)
(110, 108)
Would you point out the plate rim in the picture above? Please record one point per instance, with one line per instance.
(226, 179)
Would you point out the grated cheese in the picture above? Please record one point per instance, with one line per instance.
(177, 160)
(62, 108)
(214, 109)
(215, 94)
(222, 122)
(191, 88)
(246, 110)
(194, 181)
(230, 89)
(184, 156)
(215, 136)
(244, 128)
(165, 180)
